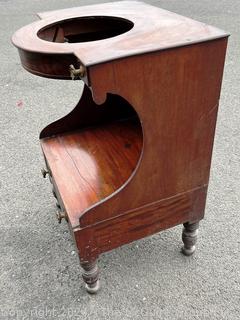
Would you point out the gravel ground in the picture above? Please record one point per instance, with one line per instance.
(149, 279)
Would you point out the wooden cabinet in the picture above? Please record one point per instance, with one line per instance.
(134, 155)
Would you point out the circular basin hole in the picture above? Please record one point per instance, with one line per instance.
(85, 29)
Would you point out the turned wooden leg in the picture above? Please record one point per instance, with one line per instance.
(91, 276)
(189, 237)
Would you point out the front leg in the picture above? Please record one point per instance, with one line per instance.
(189, 237)
(91, 276)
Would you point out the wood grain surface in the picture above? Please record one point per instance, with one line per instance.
(140, 222)
(176, 94)
(89, 165)
(153, 29)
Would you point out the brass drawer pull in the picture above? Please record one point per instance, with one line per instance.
(61, 215)
(44, 172)
(76, 73)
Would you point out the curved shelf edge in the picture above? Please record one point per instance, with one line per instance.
(97, 156)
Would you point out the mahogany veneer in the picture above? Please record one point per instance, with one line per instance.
(134, 155)
(89, 165)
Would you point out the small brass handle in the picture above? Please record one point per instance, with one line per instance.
(61, 215)
(76, 73)
(44, 172)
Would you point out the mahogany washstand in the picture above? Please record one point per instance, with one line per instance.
(133, 157)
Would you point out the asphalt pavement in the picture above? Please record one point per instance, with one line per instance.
(40, 275)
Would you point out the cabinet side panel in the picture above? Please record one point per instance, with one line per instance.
(140, 222)
(175, 93)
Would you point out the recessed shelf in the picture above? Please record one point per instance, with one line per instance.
(90, 164)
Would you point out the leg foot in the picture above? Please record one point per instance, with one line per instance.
(93, 288)
(189, 237)
(91, 276)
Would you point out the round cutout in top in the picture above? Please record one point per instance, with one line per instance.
(85, 29)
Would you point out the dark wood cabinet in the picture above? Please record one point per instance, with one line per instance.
(133, 157)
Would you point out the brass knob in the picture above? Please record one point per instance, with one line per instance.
(61, 215)
(76, 73)
(44, 172)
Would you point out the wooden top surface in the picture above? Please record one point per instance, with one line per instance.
(154, 29)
